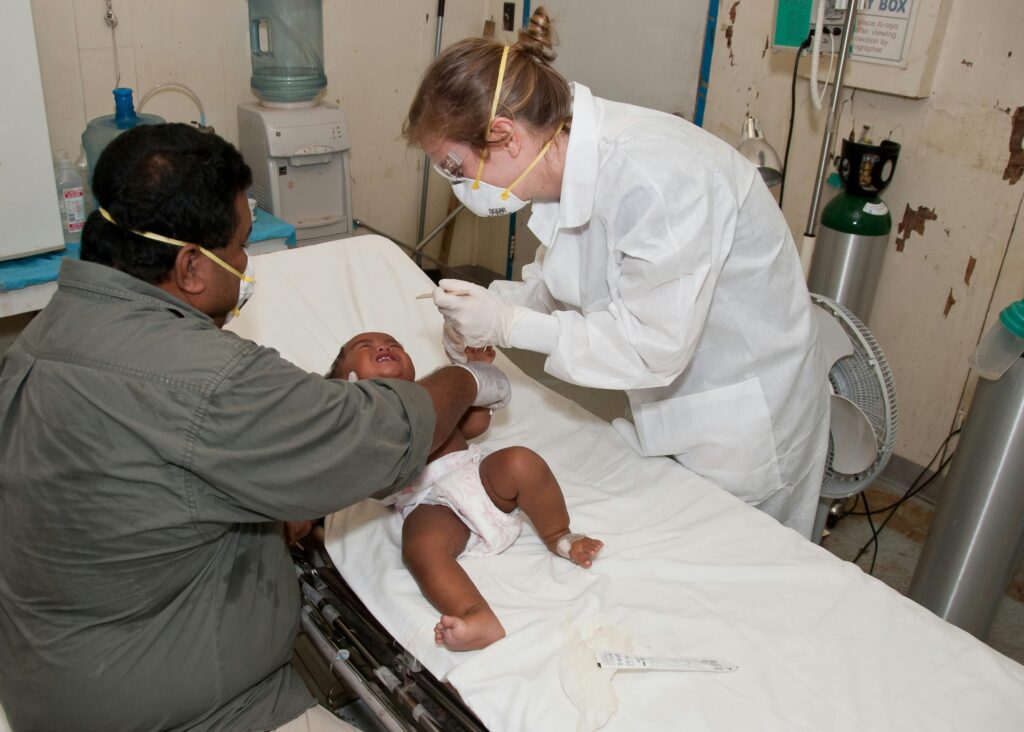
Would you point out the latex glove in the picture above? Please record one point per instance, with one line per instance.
(453, 344)
(481, 317)
(492, 388)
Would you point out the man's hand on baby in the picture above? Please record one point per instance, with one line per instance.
(482, 355)
(296, 531)
(492, 388)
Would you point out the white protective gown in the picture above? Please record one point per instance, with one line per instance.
(667, 270)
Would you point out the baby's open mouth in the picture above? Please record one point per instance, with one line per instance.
(385, 357)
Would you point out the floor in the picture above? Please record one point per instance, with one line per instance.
(899, 544)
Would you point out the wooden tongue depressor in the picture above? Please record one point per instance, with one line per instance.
(458, 293)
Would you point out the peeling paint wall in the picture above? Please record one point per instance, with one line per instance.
(956, 257)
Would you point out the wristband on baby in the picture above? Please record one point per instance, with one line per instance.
(565, 542)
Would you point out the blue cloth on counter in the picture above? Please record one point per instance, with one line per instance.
(36, 270)
(42, 268)
(267, 226)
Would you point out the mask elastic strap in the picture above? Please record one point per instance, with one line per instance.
(543, 151)
(494, 111)
(179, 243)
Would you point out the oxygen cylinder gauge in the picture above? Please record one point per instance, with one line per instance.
(855, 228)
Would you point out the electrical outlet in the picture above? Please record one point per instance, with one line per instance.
(835, 15)
(508, 16)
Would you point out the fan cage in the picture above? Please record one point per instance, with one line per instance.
(865, 378)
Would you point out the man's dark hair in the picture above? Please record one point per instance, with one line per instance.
(167, 179)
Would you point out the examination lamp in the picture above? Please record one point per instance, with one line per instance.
(756, 149)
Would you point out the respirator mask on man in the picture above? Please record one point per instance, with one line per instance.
(246, 287)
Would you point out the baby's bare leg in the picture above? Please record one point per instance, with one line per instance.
(432, 538)
(517, 476)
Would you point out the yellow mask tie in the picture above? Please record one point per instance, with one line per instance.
(543, 151)
(179, 243)
(494, 111)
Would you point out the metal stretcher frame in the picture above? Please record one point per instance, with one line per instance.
(361, 653)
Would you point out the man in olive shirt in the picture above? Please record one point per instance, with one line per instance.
(148, 460)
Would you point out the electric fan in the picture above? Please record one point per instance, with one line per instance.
(864, 413)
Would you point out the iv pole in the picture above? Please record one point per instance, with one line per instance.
(426, 159)
(832, 122)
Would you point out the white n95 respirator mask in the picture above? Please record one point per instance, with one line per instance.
(246, 288)
(483, 199)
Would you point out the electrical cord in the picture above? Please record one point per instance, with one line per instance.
(831, 64)
(911, 491)
(792, 113)
(874, 533)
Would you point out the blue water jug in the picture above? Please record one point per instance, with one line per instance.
(101, 130)
(287, 42)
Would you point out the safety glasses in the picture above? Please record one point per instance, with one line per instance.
(450, 168)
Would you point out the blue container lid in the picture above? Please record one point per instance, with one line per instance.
(1012, 318)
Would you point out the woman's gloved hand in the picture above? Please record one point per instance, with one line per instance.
(479, 316)
(453, 344)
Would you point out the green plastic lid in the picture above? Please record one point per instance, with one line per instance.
(1012, 318)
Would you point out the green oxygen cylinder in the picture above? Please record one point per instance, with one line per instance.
(855, 228)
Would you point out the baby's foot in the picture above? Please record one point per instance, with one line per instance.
(476, 629)
(582, 550)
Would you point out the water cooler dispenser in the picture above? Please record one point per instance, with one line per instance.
(297, 147)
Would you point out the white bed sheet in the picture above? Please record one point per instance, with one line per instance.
(687, 569)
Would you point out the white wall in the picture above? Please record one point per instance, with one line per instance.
(956, 145)
(375, 53)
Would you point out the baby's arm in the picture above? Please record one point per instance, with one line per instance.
(477, 419)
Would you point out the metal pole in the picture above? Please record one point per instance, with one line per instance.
(437, 229)
(826, 144)
(360, 224)
(426, 159)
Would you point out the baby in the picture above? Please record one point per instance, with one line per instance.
(465, 501)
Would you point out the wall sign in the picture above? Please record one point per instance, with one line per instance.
(883, 32)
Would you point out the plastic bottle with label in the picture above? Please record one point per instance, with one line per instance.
(70, 197)
(82, 166)
(1003, 344)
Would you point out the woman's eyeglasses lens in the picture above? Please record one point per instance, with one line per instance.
(450, 167)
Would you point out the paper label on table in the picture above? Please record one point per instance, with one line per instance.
(608, 659)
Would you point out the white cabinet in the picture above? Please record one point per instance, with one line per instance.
(29, 216)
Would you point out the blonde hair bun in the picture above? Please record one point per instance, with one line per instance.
(538, 39)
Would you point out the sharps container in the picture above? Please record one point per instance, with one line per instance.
(977, 534)
(286, 38)
(101, 130)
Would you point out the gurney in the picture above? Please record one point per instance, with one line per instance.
(688, 571)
